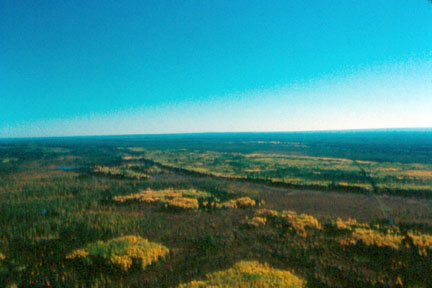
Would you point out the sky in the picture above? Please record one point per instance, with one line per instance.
(136, 67)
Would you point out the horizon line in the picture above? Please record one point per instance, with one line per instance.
(418, 129)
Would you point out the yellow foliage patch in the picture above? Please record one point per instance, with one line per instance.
(249, 274)
(150, 196)
(243, 202)
(169, 198)
(300, 222)
(266, 212)
(122, 252)
(371, 237)
(79, 253)
(297, 223)
(349, 224)
(231, 204)
(124, 262)
(186, 199)
(256, 221)
(183, 203)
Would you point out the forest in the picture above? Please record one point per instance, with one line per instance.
(322, 209)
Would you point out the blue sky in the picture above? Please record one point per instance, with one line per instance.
(126, 67)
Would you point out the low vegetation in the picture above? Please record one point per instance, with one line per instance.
(65, 227)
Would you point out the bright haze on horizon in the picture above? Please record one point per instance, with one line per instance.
(135, 67)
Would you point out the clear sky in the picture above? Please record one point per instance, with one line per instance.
(127, 67)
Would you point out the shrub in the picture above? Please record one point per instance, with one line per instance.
(122, 253)
(247, 274)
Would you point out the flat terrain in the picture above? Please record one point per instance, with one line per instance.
(335, 209)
